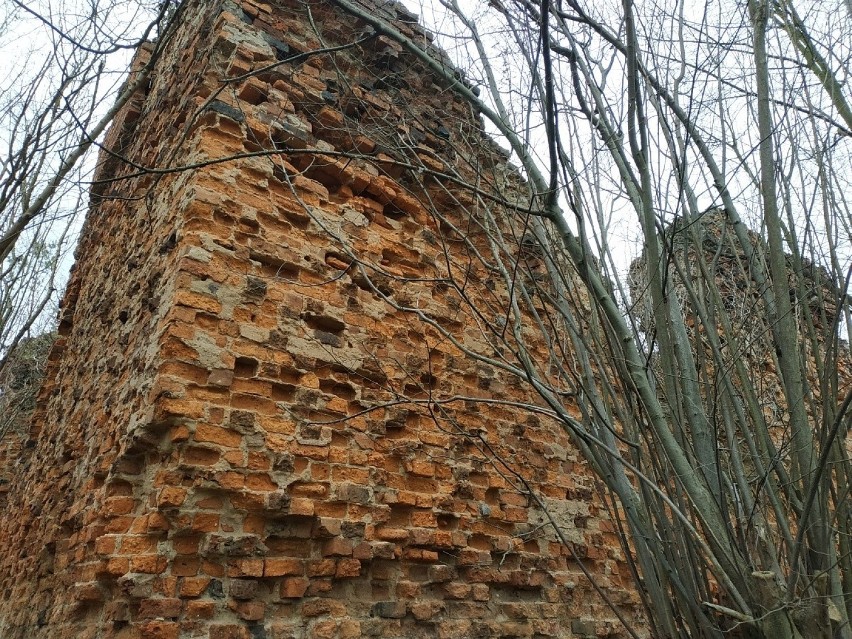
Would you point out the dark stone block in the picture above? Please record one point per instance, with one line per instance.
(389, 609)
(242, 589)
(217, 106)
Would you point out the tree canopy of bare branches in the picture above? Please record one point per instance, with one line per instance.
(63, 81)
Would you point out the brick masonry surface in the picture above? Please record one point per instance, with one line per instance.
(262, 418)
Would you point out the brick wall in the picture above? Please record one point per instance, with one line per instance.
(271, 409)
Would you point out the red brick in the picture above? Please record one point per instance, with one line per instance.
(301, 506)
(117, 566)
(294, 587)
(350, 629)
(392, 534)
(249, 610)
(151, 564)
(160, 608)
(337, 547)
(280, 567)
(118, 506)
(105, 545)
(205, 522)
(205, 433)
(348, 568)
(193, 586)
(246, 568)
(229, 631)
(160, 630)
(199, 609)
(171, 497)
(156, 522)
(324, 630)
(184, 566)
(322, 568)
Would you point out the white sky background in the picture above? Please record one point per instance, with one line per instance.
(25, 43)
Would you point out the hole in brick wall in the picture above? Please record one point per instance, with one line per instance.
(289, 375)
(288, 536)
(253, 92)
(480, 542)
(324, 416)
(252, 146)
(448, 521)
(340, 389)
(291, 545)
(200, 456)
(429, 381)
(329, 178)
(449, 233)
(272, 266)
(392, 431)
(65, 326)
(283, 392)
(355, 407)
(406, 261)
(206, 321)
(310, 431)
(393, 211)
(370, 375)
(220, 217)
(400, 516)
(418, 573)
(255, 289)
(464, 490)
(224, 243)
(279, 173)
(337, 261)
(249, 225)
(415, 390)
(362, 282)
(480, 479)
(297, 218)
(119, 488)
(323, 323)
(289, 53)
(492, 496)
(329, 339)
(384, 285)
(517, 590)
(245, 367)
(291, 136)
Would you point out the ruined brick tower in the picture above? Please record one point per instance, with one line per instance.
(262, 418)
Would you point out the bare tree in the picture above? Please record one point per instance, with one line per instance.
(65, 66)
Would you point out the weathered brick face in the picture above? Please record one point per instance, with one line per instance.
(266, 415)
